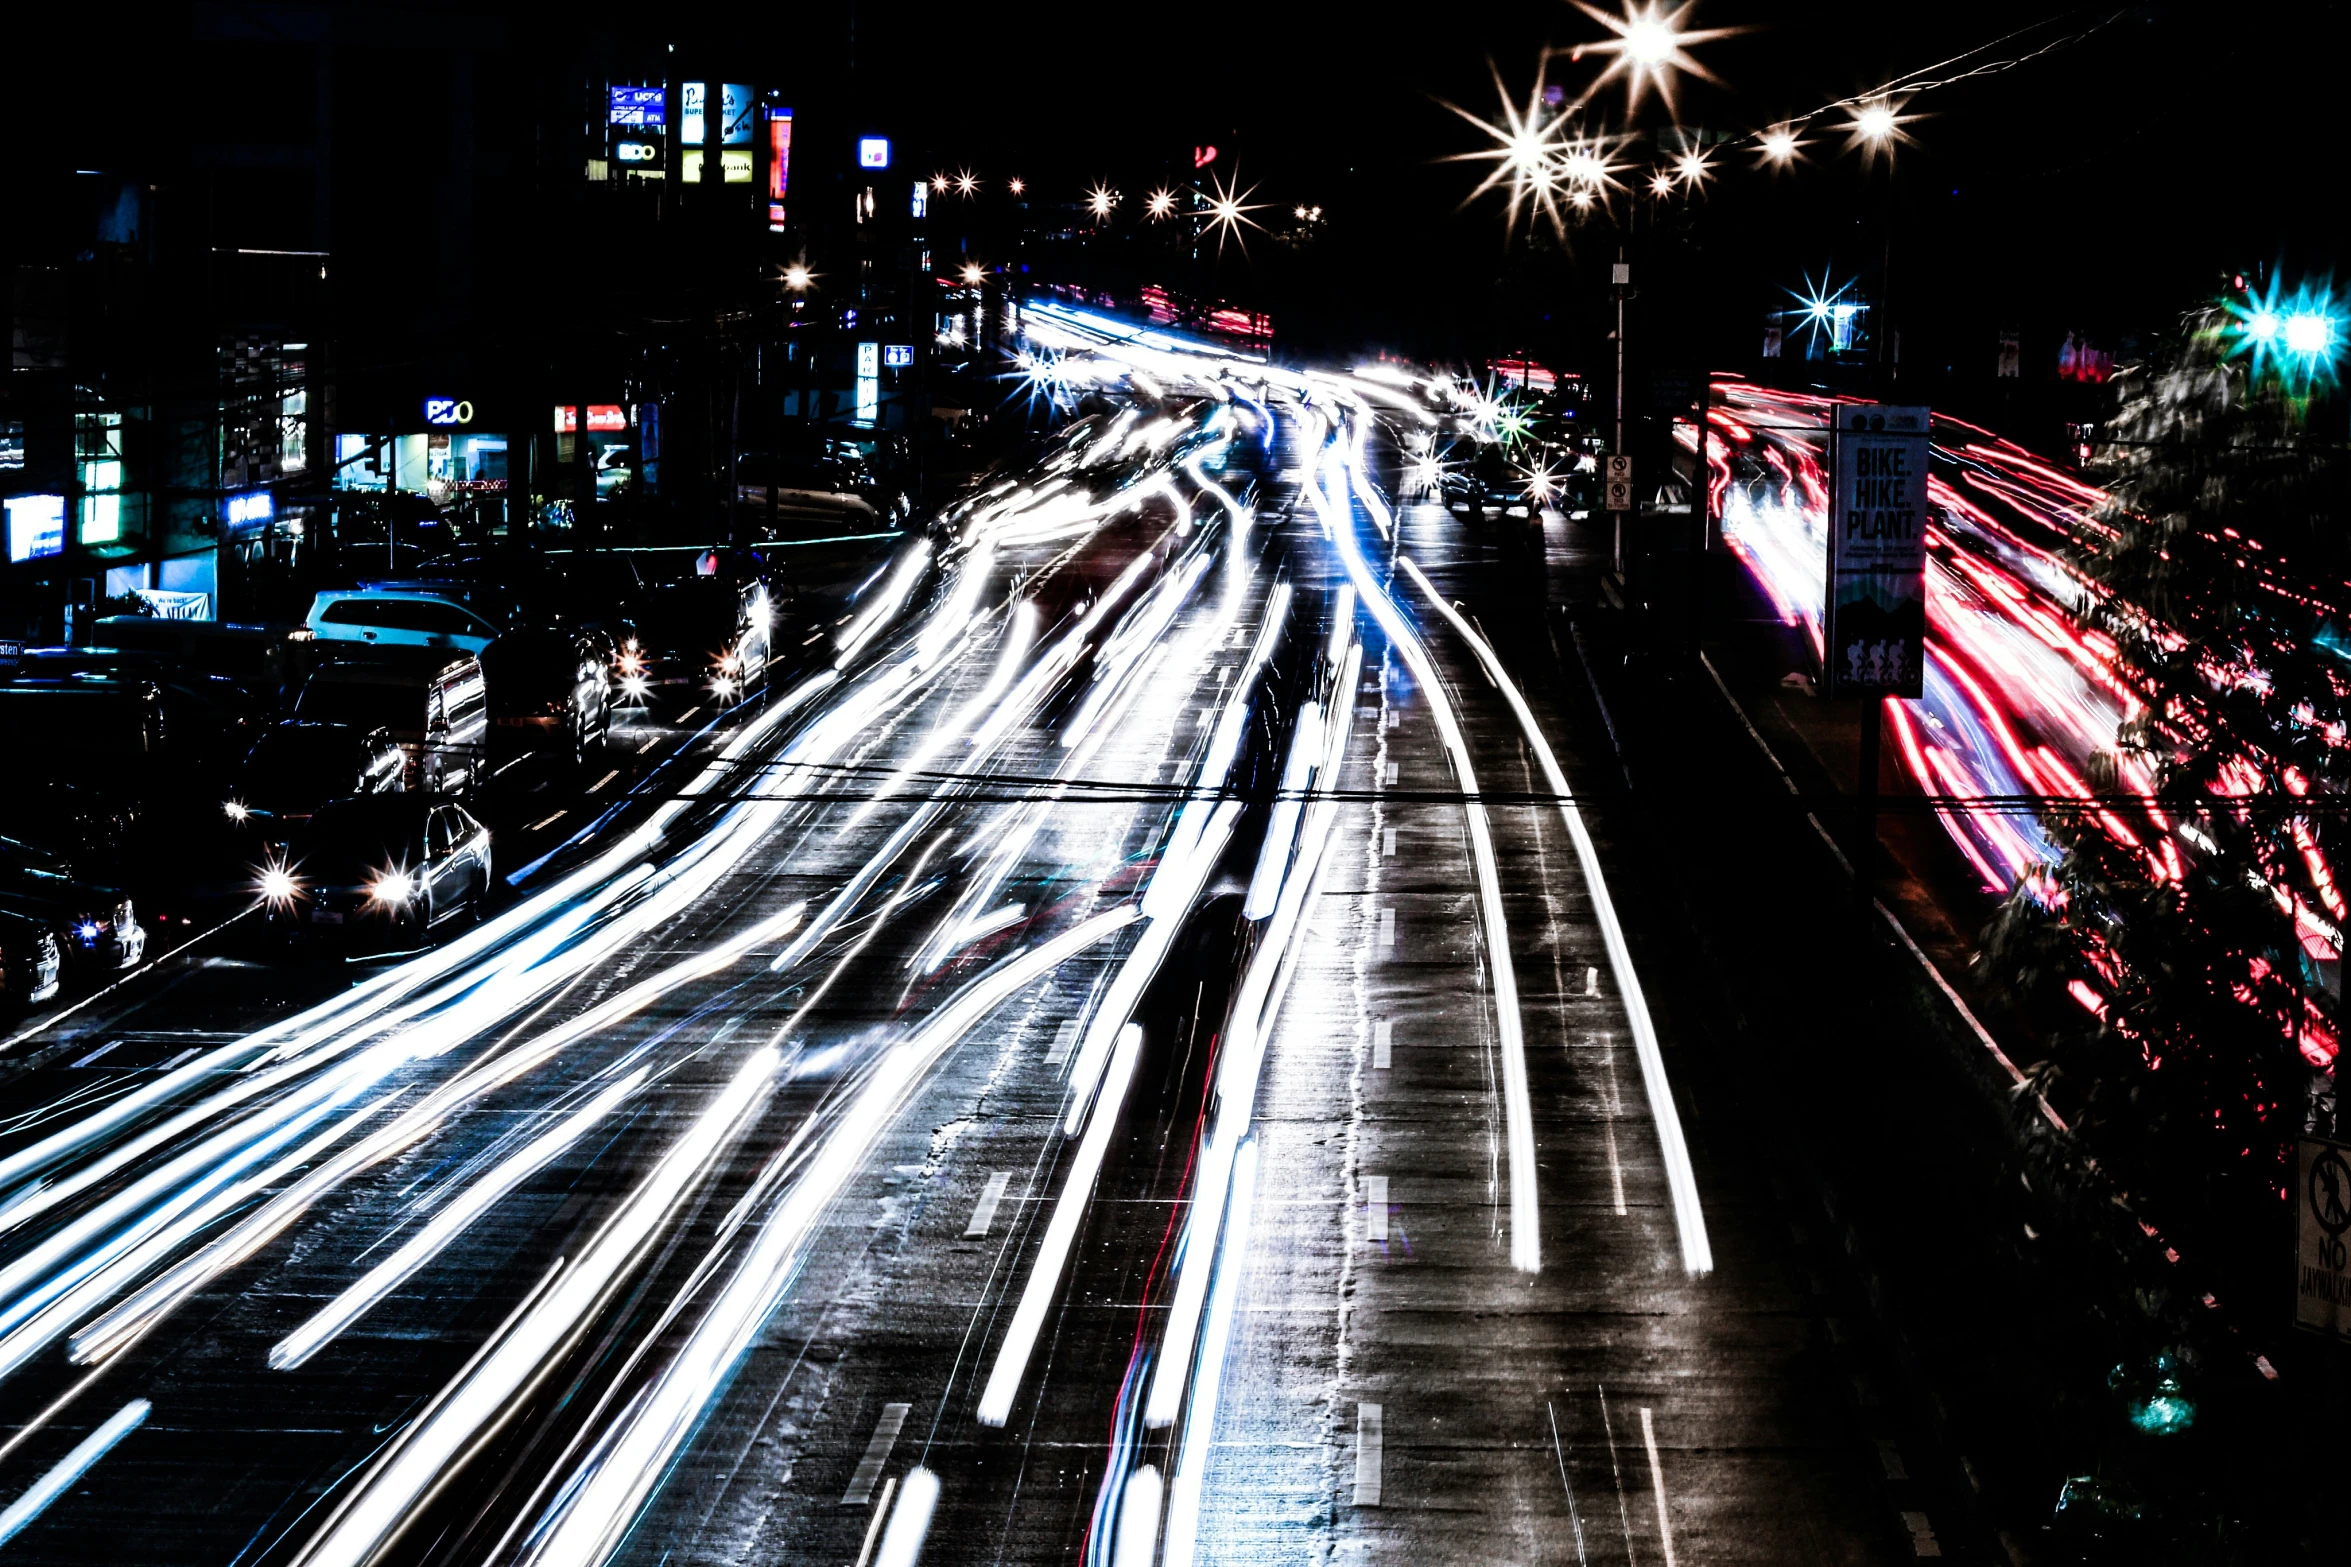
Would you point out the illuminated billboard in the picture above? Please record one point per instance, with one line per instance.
(779, 156)
(695, 97)
(250, 510)
(640, 106)
(36, 526)
(601, 416)
(873, 152)
(734, 115)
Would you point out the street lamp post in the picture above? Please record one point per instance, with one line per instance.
(1620, 278)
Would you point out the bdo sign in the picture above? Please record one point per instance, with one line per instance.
(1875, 636)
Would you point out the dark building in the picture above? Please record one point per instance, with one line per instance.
(354, 282)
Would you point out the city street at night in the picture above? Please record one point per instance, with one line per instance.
(814, 816)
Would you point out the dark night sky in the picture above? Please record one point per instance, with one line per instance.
(2109, 181)
(2103, 186)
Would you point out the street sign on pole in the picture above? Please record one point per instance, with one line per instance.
(1875, 638)
(1619, 474)
(2322, 1271)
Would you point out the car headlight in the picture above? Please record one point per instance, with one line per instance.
(278, 885)
(235, 810)
(393, 887)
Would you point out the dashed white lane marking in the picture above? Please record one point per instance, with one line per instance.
(601, 782)
(873, 1530)
(1922, 1535)
(1657, 1484)
(649, 745)
(1375, 1207)
(1608, 1127)
(1367, 1455)
(1383, 1043)
(1390, 719)
(1065, 1039)
(542, 826)
(1591, 982)
(985, 1214)
(868, 1473)
(1890, 1459)
(1388, 843)
(1387, 928)
(1388, 773)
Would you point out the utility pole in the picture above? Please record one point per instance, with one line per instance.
(1620, 278)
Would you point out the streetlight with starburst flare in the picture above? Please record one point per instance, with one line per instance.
(1651, 48)
(1228, 212)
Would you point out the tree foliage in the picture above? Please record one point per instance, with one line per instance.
(2193, 978)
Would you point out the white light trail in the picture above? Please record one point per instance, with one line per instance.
(1183, 1509)
(1281, 830)
(886, 603)
(1681, 1178)
(910, 1520)
(1526, 1252)
(1061, 1232)
(597, 1502)
(61, 1476)
(420, 1459)
(469, 1205)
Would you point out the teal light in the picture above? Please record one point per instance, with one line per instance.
(2164, 1414)
(2297, 337)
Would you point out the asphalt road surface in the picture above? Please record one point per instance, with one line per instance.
(1073, 1074)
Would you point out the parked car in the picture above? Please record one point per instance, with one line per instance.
(30, 962)
(387, 617)
(436, 705)
(380, 872)
(299, 765)
(94, 925)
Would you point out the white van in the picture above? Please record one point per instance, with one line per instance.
(436, 706)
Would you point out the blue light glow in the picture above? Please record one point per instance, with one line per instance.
(2297, 336)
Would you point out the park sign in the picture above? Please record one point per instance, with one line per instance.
(1874, 639)
(2322, 1264)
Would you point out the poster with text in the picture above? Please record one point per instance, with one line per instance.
(1874, 642)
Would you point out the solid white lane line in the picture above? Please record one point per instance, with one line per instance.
(868, 1472)
(1657, 1484)
(909, 1521)
(1065, 1038)
(1680, 1176)
(985, 1214)
(1387, 928)
(61, 1476)
(1383, 1043)
(873, 1530)
(1368, 1445)
(1375, 1207)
